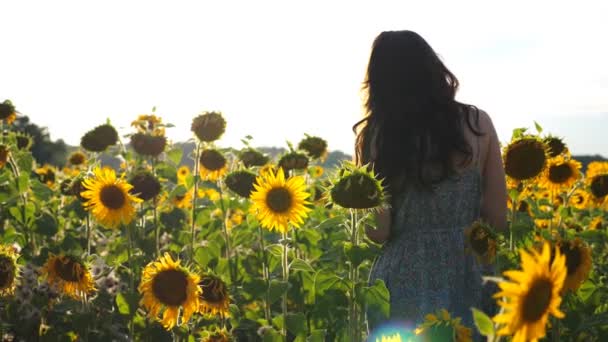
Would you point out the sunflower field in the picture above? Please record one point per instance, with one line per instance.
(243, 247)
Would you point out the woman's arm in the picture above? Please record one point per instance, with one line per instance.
(383, 227)
(494, 195)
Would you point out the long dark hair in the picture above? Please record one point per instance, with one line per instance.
(413, 126)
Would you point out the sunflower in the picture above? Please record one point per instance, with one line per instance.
(214, 298)
(217, 336)
(251, 157)
(183, 201)
(46, 174)
(145, 185)
(3, 155)
(166, 283)
(578, 262)
(597, 223)
(525, 159)
(99, 138)
(579, 199)
(8, 270)
(149, 124)
(316, 171)
(596, 168)
(235, 217)
(241, 182)
(77, 158)
(24, 141)
(561, 174)
(293, 161)
(555, 146)
(481, 242)
(182, 173)
(268, 168)
(358, 188)
(109, 198)
(148, 144)
(211, 194)
(531, 294)
(279, 202)
(315, 147)
(390, 338)
(7, 112)
(441, 326)
(69, 275)
(213, 165)
(208, 126)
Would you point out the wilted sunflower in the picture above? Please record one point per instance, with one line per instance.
(7, 112)
(213, 165)
(77, 158)
(442, 327)
(24, 141)
(555, 146)
(252, 157)
(182, 173)
(597, 223)
(561, 174)
(214, 298)
(148, 144)
(69, 275)
(532, 294)
(208, 126)
(109, 198)
(278, 202)
(99, 138)
(578, 262)
(145, 185)
(481, 241)
(525, 159)
(579, 199)
(46, 174)
(8, 270)
(293, 161)
(315, 147)
(241, 182)
(358, 188)
(167, 284)
(3, 155)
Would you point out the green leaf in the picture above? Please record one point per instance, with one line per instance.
(175, 155)
(23, 183)
(359, 253)
(539, 129)
(25, 162)
(271, 335)
(46, 224)
(301, 265)
(16, 212)
(317, 336)
(483, 323)
(277, 289)
(41, 191)
(127, 303)
(179, 190)
(378, 297)
(275, 249)
(296, 323)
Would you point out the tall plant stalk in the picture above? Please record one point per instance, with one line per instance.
(265, 274)
(353, 276)
(197, 155)
(285, 269)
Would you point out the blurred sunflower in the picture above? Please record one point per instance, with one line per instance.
(293, 161)
(99, 138)
(235, 217)
(278, 202)
(597, 223)
(182, 173)
(167, 284)
(77, 158)
(316, 171)
(46, 174)
(268, 168)
(208, 126)
(597, 181)
(148, 144)
(8, 113)
(358, 188)
(390, 338)
(183, 201)
(211, 194)
(213, 165)
(561, 174)
(315, 147)
(481, 241)
(214, 299)
(241, 182)
(531, 294)
(579, 199)
(252, 157)
(151, 124)
(109, 198)
(578, 262)
(145, 185)
(555, 146)
(3, 155)
(442, 327)
(525, 159)
(24, 141)
(69, 275)
(8, 270)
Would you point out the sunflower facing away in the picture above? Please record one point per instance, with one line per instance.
(167, 284)
(69, 275)
(578, 262)
(213, 165)
(214, 298)
(278, 202)
(109, 198)
(532, 294)
(8, 270)
(561, 174)
(441, 326)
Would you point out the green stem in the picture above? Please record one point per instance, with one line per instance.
(514, 204)
(285, 269)
(131, 276)
(231, 269)
(156, 227)
(265, 274)
(88, 227)
(353, 275)
(194, 196)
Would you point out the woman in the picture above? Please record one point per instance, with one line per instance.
(441, 162)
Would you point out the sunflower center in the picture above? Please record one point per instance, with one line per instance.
(479, 241)
(213, 290)
(537, 300)
(578, 199)
(112, 197)
(212, 160)
(599, 186)
(7, 272)
(170, 286)
(560, 173)
(573, 258)
(278, 200)
(525, 159)
(68, 269)
(556, 146)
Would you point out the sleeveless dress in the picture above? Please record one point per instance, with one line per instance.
(424, 264)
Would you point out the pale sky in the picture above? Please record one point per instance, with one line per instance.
(279, 69)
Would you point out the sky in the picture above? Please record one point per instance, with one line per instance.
(280, 69)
